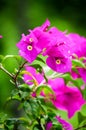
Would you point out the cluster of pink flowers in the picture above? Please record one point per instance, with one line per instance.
(59, 49)
(56, 45)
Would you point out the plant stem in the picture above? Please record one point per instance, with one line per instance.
(6, 71)
(84, 126)
(16, 75)
(13, 77)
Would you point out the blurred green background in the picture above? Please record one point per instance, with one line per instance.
(17, 16)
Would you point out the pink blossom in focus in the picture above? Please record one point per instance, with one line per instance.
(79, 44)
(57, 61)
(30, 45)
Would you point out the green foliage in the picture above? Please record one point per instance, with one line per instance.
(36, 108)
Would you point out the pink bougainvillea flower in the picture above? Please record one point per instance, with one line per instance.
(28, 47)
(32, 44)
(48, 125)
(82, 73)
(57, 61)
(65, 125)
(1, 36)
(67, 98)
(79, 44)
(62, 41)
(43, 27)
(32, 76)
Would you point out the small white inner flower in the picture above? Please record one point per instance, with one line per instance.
(29, 47)
(31, 39)
(58, 61)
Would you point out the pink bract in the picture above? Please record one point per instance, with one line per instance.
(33, 74)
(58, 61)
(79, 44)
(65, 125)
(67, 98)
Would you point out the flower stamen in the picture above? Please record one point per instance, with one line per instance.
(29, 47)
(58, 61)
(31, 39)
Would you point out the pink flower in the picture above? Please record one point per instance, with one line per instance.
(1, 36)
(67, 98)
(57, 60)
(49, 126)
(28, 47)
(32, 76)
(32, 44)
(82, 73)
(79, 44)
(65, 125)
(60, 40)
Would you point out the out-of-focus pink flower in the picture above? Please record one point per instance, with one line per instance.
(81, 73)
(67, 98)
(49, 125)
(65, 125)
(1, 36)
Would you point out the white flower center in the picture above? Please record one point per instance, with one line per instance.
(29, 47)
(58, 61)
(31, 39)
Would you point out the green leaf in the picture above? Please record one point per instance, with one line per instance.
(67, 77)
(10, 123)
(76, 82)
(1, 58)
(37, 67)
(24, 121)
(78, 63)
(32, 108)
(84, 93)
(40, 59)
(56, 124)
(3, 117)
(17, 57)
(81, 117)
(44, 88)
(24, 88)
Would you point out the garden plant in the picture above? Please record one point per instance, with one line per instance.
(49, 79)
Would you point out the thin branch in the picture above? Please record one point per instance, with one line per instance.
(6, 71)
(84, 126)
(20, 67)
(13, 77)
(16, 75)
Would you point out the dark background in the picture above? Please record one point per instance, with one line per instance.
(17, 16)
